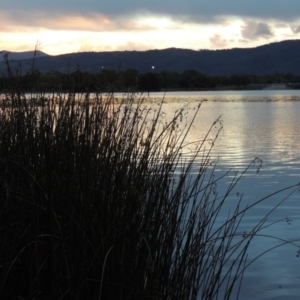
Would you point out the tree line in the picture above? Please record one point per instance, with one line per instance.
(133, 80)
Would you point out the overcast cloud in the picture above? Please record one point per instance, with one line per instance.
(277, 9)
(77, 25)
(253, 30)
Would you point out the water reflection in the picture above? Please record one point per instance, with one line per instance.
(264, 124)
(229, 96)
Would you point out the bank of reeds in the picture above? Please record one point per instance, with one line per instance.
(98, 201)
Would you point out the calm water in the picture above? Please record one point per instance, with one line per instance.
(264, 124)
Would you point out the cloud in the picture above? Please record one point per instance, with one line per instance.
(131, 45)
(125, 46)
(118, 15)
(72, 25)
(254, 30)
(71, 22)
(202, 9)
(218, 42)
(295, 29)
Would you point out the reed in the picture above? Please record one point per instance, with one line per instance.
(99, 201)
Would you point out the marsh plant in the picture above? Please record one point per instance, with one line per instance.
(100, 200)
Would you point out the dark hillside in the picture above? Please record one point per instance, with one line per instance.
(21, 55)
(281, 57)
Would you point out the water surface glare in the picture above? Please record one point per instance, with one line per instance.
(264, 124)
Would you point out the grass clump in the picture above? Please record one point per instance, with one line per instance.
(99, 201)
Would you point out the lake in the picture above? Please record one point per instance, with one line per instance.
(264, 124)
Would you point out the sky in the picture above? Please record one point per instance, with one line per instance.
(65, 26)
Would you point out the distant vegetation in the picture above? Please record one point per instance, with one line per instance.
(155, 70)
(133, 80)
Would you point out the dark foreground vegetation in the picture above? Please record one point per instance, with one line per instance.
(98, 200)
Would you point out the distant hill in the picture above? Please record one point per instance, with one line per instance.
(21, 55)
(281, 57)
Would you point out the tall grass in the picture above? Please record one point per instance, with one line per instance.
(99, 201)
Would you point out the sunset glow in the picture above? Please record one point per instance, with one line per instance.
(63, 32)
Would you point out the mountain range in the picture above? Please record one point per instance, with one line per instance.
(280, 57)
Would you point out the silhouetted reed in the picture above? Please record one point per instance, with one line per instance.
(99, 201)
